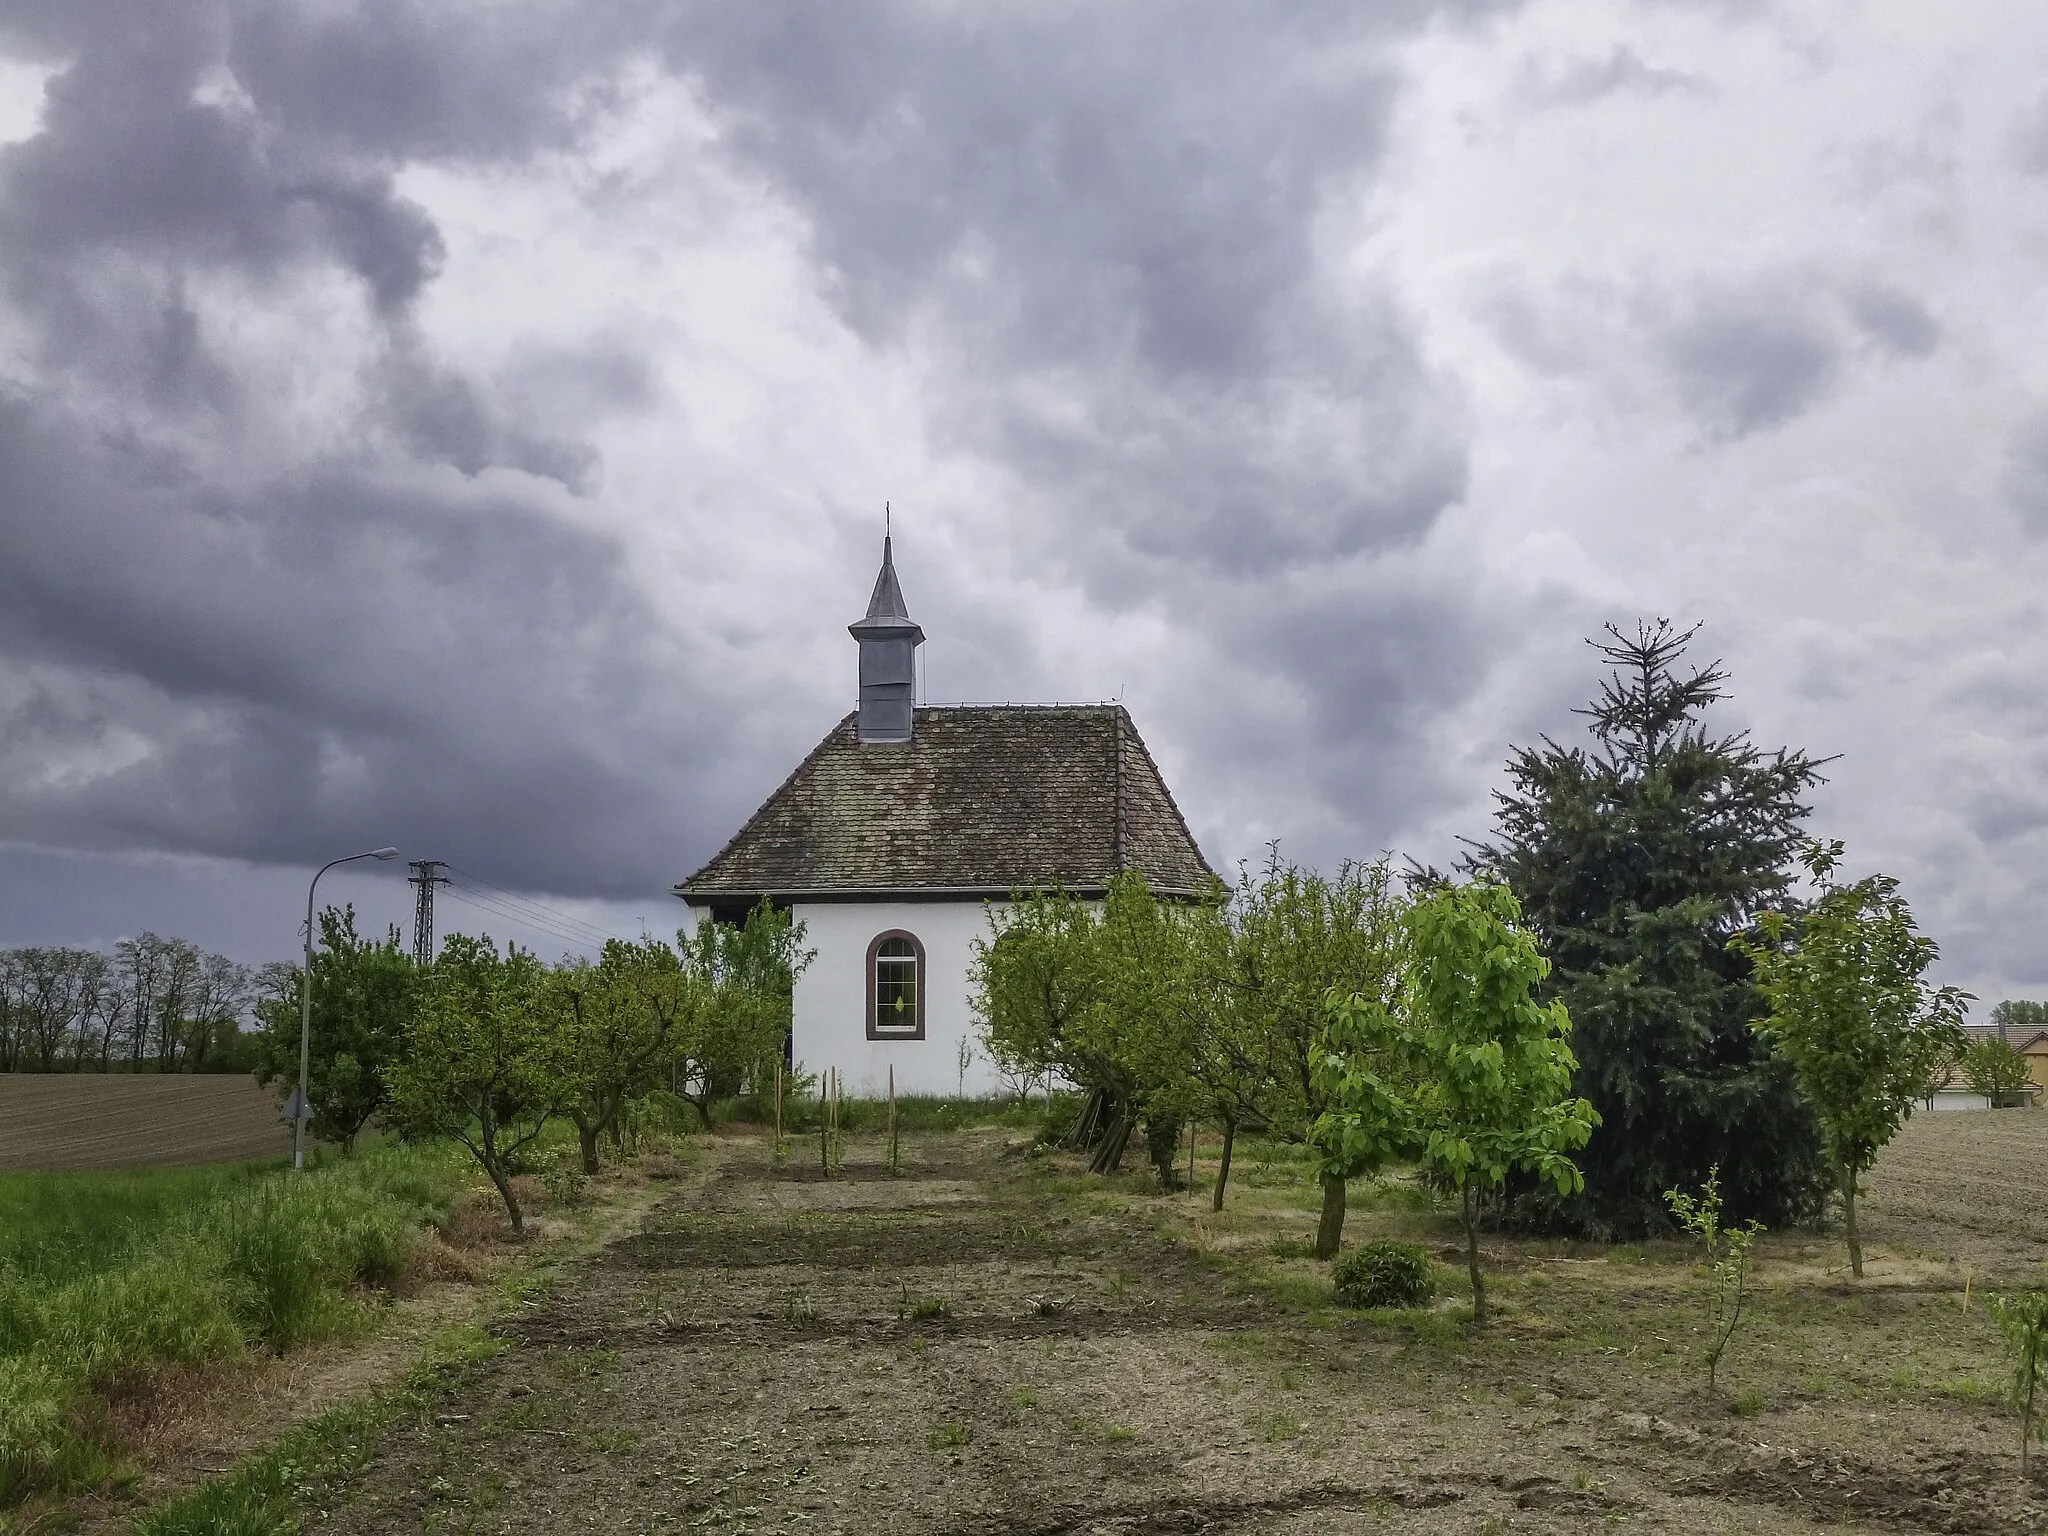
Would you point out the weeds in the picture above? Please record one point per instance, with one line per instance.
(2023, 1320)
(1727, 1254)
(250, 1261)
(950, 1436)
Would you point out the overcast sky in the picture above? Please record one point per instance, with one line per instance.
(468, 427)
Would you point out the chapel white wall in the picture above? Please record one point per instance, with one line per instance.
(830, 1025)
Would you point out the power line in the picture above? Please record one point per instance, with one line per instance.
(540, 910)
(484, 903)
(528, 910)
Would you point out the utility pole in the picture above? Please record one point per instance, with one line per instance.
(426, 874)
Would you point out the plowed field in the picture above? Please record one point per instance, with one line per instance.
(61, 1122)
(990, 1344)
(1973, 1183)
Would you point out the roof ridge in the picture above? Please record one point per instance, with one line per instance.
(1116, 793)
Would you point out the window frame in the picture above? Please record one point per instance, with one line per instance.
(916, 1030)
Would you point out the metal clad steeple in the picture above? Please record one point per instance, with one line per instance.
(888, 639)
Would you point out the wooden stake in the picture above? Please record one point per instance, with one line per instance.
(1194, 1135)
(825, 1123)
(892, 1117)
(1968, 1276)
(778, 1107)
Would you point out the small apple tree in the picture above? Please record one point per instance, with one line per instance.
(482, 1063)
(1726, 1250)
(2023, 1319)
(1850, 1008)
(1493, 1069)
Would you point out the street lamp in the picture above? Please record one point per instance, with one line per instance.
(306, 1004)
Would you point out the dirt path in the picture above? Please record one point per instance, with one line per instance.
(963, 1349)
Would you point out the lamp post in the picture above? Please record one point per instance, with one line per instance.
(306, 1004)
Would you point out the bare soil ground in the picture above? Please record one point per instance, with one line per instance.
(64, 1122)
(991, 1344)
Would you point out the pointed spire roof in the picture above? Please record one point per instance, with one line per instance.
(888, 616)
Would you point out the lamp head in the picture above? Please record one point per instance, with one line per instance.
(384, 853)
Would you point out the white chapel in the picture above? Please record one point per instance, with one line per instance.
(892, 840)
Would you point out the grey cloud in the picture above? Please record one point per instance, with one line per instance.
(2030, 140)
(309, 662)
(2026, 473)
(1111, 215)
(1895, 320)
(1741, 353)
(1583, 81)
(1745, 358)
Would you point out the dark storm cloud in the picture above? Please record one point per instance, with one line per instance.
(366, 642)
(1744, 358)
(326, 660)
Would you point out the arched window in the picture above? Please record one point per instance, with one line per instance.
(896, 987)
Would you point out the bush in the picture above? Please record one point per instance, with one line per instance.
(1385, 1275)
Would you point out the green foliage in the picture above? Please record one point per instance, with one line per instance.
(1850, 1009)
(1635, 863)
(1363, 1069)
(1494, 1072)
(1200, 1010)
(2019, 1017)
(1726, 1251)
(1298, 939)
(197, 1270)
(483, 1064)
(57, 1226)
(364, 998)
(615, 1020)
(1385, 1275)
(1996, 1069)
(1106, 995)
(2023, 1320)
(731, 1005)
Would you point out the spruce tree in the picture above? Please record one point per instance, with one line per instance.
(1636, 862)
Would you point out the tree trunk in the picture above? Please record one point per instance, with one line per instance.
(1110, 1155)
(1088, 1125)
(1472, 1259)
(1330, 1228)
(586, 1143)
(505, 1193)
(1223, 1167)
(1849, 1220)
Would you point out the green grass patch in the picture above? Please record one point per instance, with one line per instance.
(146, 1270)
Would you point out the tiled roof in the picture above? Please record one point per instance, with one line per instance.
(982, 799)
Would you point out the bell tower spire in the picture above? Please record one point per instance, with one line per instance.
(888, 639)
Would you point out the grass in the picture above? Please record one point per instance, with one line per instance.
(259, 1499)
(108, 1278)
(57, 1226)
(915, 1112)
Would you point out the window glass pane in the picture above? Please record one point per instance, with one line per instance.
(895, 985)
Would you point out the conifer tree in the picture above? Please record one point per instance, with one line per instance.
(1635, 863)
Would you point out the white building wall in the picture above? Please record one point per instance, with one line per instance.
(830, 1026)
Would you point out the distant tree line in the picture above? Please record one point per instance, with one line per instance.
(152, 1005)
